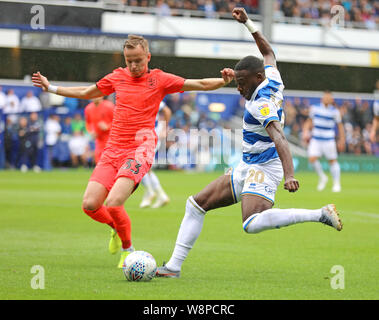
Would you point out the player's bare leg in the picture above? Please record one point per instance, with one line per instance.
(215, 195)
(94, 196)
(119, 193)
(258, 215)
(93, 206)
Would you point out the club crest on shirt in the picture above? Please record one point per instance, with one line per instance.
(152, 82)
(264, 110)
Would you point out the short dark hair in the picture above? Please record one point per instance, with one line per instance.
(250, 63)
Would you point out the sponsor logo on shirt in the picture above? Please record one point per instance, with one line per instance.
(264, 109)
(269, 190)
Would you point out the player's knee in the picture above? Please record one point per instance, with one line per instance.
(115, 201)
(90, 204)
(201, 201)
(312, 159)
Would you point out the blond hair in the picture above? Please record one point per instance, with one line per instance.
(133, 41)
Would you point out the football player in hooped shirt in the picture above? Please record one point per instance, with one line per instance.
(266, 159)
(129, 152)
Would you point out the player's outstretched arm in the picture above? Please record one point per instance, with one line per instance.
(276, 134)
(89, 92)
(341, 137)
(307, 127)
(263, 45)
(208, 84)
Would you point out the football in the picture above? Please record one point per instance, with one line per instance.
(139, 266)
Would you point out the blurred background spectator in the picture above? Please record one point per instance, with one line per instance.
(78, 124)
(30, 103)
(365, 13)
(79, 149)
(2, 98)
(12, 103)
(29, 137)
(10, 142)
(52, 132)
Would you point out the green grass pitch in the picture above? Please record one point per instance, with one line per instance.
(41, 223)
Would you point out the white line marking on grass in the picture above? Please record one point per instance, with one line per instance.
(365, 214)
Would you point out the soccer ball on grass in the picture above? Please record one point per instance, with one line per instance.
(139, 266)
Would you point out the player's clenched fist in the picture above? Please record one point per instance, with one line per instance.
(40, 81)
(291, 184)
(240, 15)
(227, 74)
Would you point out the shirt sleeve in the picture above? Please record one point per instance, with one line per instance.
(106, 84)
(273, 73)
(263, 111)
(172, 83)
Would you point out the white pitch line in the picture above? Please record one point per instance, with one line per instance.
(365, 214)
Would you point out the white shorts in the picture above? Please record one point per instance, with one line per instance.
(319, 148)
(257, 179)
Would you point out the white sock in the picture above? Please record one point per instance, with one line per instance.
(189, 231)
(146, 182)
(335, 171)
(156, 185)
(318, 168)
(276, 218)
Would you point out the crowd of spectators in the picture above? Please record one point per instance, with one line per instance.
(356, 117)
(29, 128)
(364, 12)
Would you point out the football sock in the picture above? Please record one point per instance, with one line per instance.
(146, 182)
(189, 231)
(156, 185)
(318, 168)
(123, 225)
(101, 215)
(276, 218)
(335, 171)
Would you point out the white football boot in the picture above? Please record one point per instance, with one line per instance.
(330, 217)
(336, 187)
(147, 200)
(161, 201)
(322, 182)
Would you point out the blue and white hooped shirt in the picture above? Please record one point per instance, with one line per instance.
(324, 119)
(264, 106)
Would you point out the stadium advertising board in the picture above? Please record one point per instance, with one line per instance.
(79, 42)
